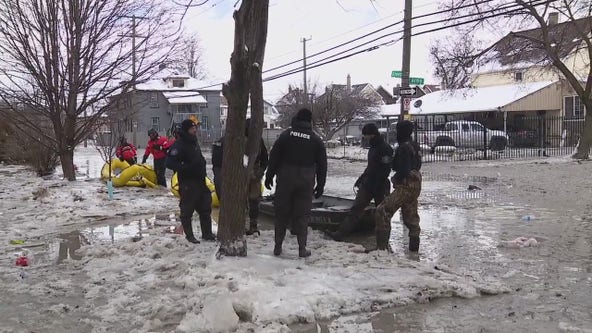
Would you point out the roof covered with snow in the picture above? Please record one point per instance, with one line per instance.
(184, 97)
(480, 99)
(163, 84)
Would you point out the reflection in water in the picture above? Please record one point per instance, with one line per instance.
(69, 243)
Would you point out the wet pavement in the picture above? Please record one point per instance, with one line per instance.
(464, 231)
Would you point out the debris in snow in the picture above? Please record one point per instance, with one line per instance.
(40, 193)
(528, 217)
(474, 188)
(519, 243)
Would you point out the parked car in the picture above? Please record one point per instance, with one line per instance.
(464, 134)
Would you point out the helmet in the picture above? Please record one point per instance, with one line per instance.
(152, 131)
(176, 129)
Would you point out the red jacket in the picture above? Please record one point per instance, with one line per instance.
(127, 152)
(157, 148)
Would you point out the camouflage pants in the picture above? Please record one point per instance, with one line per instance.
(254, 194)
(405, 197)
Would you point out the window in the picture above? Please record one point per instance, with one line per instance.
(184, 108)
(573, 107)
(451, 127)
(204, 123)
(477, 127)
(156, 123)
(465, 127)
(153, 99)
(518, 76)
(178, 83)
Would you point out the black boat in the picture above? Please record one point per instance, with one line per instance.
(327, 213)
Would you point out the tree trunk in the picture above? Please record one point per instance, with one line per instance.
(249, 44)
(67, 160)
(583, 150)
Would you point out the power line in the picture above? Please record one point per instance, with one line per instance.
(513, 8)
(377, 31)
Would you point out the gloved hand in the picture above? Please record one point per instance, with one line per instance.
(318, 191)
(268, 182)
(144, 159)
(157, 147)
(121, 159)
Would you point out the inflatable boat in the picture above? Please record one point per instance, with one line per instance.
(124, 174)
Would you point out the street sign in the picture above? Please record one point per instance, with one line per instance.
(406, 103)
(407, 91)
(416, 80)
(412, 80)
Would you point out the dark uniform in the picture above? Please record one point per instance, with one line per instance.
(407, 184)
(254, 186)
(296, 157)
(372, 184)
(186, 159)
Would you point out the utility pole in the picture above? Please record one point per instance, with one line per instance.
(304, 40)
(405, 68)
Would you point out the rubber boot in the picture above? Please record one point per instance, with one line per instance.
(414, 243)
(382, 240)
(302, 251)
(188, 230)
(206, 228)
(252, 228)
(280, 233)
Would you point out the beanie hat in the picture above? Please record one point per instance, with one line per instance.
(370, 129)
(404, 130)
(304, 115)
(187, 124)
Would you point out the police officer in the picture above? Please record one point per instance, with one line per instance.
(407, 184)
(186, 159)
(296, 157)
(254, 185)
(372, 184)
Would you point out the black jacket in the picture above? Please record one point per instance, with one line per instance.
(380, 157)
(218, 150)
(299, 146)
(186, 159)
(407, 158)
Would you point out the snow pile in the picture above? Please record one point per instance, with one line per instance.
(520, 242)
(165, 279)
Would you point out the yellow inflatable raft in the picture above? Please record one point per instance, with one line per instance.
(122, 174)
(209, 184)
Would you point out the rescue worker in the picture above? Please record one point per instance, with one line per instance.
(296, 157)
(373, 184)
(254, 185)
(186, 159)
(407, 187)
(157, 146)
(126, 151)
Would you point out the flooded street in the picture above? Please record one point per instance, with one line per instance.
(471, 232)
(473, 218)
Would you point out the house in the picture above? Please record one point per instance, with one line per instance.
(270, 114)
(170, 98)
(515, 89)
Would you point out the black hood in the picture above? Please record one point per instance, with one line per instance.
(185, 136)
(376, 141)
(404, 130)
(299, 124)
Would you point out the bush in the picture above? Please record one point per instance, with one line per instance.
(18, 147)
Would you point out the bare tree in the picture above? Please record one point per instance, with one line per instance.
(338, 106)
(294, 100)
(246, 61)
(63, 59)
(188, 58)
(454, 61)
(549, 45)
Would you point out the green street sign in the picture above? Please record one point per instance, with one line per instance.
(416, 80)
(412, 80)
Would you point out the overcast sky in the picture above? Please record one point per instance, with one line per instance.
(328, 23)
